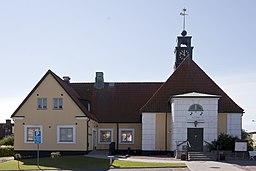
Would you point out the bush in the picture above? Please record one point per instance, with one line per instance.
(7, 140)
(224, 142)
(227, 142)
(6, 151)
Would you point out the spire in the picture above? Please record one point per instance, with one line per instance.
(183, 48)
(183, 13)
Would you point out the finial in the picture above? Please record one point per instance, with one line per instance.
(184, 33)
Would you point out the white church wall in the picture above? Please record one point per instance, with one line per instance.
(148, 131)
(181, 119)
(234, 124)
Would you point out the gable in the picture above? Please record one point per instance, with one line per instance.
(51, 86)
(187, 78)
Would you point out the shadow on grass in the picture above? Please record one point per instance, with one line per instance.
(69, 162)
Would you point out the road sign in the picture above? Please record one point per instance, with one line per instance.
(37, 137)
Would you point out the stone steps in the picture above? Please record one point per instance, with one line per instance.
(201, 156)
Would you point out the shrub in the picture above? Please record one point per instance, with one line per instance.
(7, 140)
(6, 151)
(224, 142)
(227, 142)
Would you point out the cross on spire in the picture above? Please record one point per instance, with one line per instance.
(184, 17)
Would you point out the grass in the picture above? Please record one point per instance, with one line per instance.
(133, 164)
(78, 162)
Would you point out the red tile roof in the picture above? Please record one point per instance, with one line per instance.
(124, 102)
(189, 77)
(117, 102)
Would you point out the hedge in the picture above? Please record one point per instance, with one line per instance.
(6, 151)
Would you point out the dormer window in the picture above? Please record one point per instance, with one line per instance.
(195, 108)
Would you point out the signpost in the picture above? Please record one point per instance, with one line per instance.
(37, 140)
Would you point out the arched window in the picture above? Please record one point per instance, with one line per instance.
(195, 107)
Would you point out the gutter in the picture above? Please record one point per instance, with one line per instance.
(87, 146)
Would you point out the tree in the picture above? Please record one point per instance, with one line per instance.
(246, 136)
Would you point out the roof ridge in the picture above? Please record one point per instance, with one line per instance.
(188, 77)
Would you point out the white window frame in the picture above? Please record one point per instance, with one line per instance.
(26, 133)
(41, 100)
(120, 136)
(99, 134)
(66, 126)
(196, 108)
(58, 103)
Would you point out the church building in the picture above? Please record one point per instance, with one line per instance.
(144, 117)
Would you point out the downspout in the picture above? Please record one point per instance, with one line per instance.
(87, 146)
(117, 138)
(166, 131)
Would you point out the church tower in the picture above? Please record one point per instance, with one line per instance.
(183, 49)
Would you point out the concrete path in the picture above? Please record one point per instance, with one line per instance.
(211, 166)
(232, 165)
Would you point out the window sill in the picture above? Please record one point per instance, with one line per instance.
(57, 109)
(126, 142)
(104, 142)
(66, 142)
(29, 142)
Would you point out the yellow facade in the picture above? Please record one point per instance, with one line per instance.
(136, 145)
(50, 118)
(86, 130)
(161, 134)
(222, 123)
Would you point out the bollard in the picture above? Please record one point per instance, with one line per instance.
(111, 158)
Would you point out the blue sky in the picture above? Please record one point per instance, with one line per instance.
(129, 40)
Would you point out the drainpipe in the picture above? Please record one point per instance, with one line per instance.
(166, 131)
(87, 146)
(117, 138)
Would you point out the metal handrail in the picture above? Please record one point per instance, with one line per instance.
(188, 143)
(207, 142)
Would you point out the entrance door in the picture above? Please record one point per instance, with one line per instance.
(195, 138)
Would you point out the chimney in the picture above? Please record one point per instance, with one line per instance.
(99, 80)
(66, 79)
(8, 121)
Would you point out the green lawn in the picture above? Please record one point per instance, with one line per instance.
(132, 164)
(77, 162)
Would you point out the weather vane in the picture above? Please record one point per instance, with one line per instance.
(184, 17)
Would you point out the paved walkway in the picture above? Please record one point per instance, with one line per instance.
(211, 166)
(230, 165)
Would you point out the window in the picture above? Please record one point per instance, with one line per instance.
(195, 107)
(57, 103)
(41, 103)
(66, 134)
(29, 131)
(126, 136)
(105, 136)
